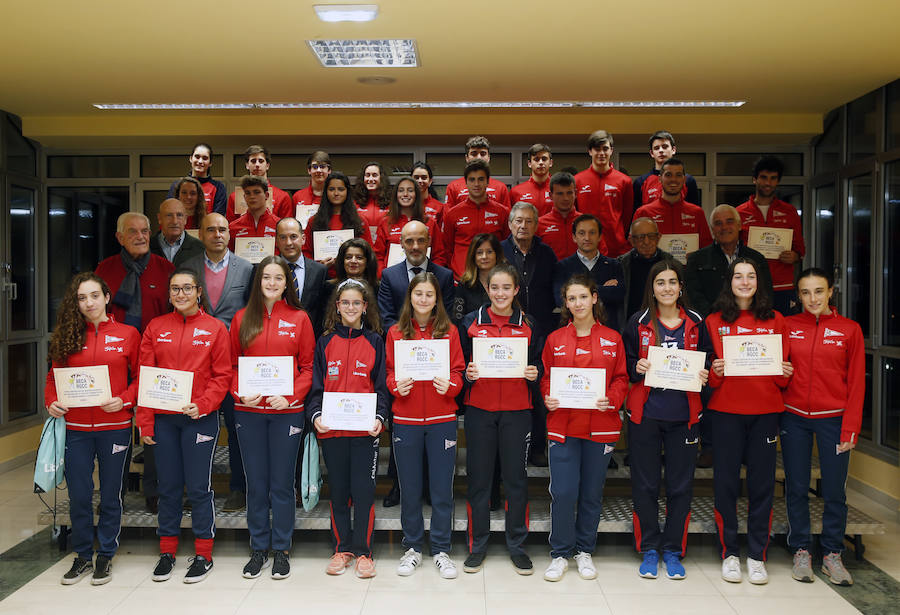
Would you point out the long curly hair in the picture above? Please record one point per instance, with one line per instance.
(383, 194)
(70, 331)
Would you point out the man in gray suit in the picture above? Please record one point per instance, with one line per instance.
(172, 242)
(227, 280)
(309, 276)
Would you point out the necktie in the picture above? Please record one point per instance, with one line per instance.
(416, 270)
(294, 267)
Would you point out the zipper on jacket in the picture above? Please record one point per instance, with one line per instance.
(94, 362)
(812, 352)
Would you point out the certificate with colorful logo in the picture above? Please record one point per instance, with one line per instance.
(672, 368)
(770, 242)
(680, 245)
(500, 357)
(752, 355)
(349, 411)
(254, 249)
(327, 243)
(164, 389)
(422, 359)
(577, 387)
(265, 376)
(78, 387)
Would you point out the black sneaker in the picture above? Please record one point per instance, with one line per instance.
(259, 560)
(164, 566)
(474, 562)
(393, 496)
(281, 566)
(102, 570)
(522, 564)
(80, 567)
(235, 502)
(199, 569)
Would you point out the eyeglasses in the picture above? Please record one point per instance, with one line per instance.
(643, 236)
(344, 303)
(319, 167)
(187, 289)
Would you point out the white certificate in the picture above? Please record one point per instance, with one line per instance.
(350, 411)
(396, 254)
(577, 387)
(771, 242)
(77, 387)
(327, 243)
(680, 245)
(752, 355)
(254, 249)
(193, 232)
(265, 376)
(164, 389)
(672, 368)
(304, 213)
(500, 357)
(422, 359)
(240, 205)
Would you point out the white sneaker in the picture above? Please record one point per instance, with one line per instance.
(445, 566)
(586, 569)
(557, 569)
(756, 571)
(731, 569)
(409, 562)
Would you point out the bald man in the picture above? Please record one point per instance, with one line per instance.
(172, 242)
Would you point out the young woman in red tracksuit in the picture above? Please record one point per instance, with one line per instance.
(85, 335)
(372, 194)
(336, 211)
(498, 417)
(581, 441)
(406, 205)
(744, 412)
(424, 176)
(187, 339)
(825, 398)
(350, 358)
(662, 419)
(273, 324)
(424, 418)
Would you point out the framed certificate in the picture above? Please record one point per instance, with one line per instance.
(254, 249)
(396, 254)
(422, 359)
(752, 355)
(577, 387)
(265, 376)
(77, 387)
(240, 205)
(680, 245)
(671, 368)
(304, 213)
(164, 389)
(193, 232)
(771, 242)
(327, 243)
(350, 411)
(500, 357)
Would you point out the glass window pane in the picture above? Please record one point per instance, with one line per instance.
(825, 226)
(866, 430)
(859, 202)
(890, 404)
(454, 164)
(22, 212)
(351, 164)
(22, 374)
(828, 148)
(21, 155)
(152, 200)
(281, 165)
(175, 166)
(892, 254)
(862, 124)
(742, 164)
(87, 166)
(735, 195)
(893, 115)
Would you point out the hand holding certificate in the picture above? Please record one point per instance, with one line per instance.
(577, 387)
(165, 389)
(770, 242)
(752, 355)
(327, 243)
(349, 411)
(422, 359)
(671, 368)
(78, 387)
(500, 357)
(265, 376)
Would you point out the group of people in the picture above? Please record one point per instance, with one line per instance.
(569, 262)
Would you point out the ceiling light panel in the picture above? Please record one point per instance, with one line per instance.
(346, 12)
(530, 104)
(366, 53)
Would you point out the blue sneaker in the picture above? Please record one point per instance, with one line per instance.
(674, 569)
(649, 566)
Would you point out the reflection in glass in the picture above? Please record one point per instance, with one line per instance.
(862, 123)
(87, 166)
(636, 164)
(21, 155)
(823, 198)
(891, 322)
(735, 195)
(890, 403)
(23, 316)
(866, 429)
(828, 147)
(21, 376)
(859, 202)
(172, 166)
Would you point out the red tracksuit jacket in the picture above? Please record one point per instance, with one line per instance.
(556, 232)
(434, 209)
(779, 215)
(423, 405)
(244, 226)
(677, 218)
(463, 222)
(154, 286)
(334, 224)
(746, 394)
(281, 204)
(116, 346)
(607, 352)
(371, 214)
(530, 191)
(389, 232)
(829, 370)
(609, 197)
(287, 332)
(198, 344)
(457, 192)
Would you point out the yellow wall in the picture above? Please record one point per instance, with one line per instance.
(877, 474)
(19, 443)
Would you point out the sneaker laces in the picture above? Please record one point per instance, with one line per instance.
(443, 561)
(409, 558)
(756, 566)
(801, 558)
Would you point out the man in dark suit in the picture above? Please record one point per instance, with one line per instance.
(395, 279)
(309, 276)
(227, 281)
(172, 242)
(644, 239)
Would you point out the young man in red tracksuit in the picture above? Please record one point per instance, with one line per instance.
(476, 214)
(536, 189)
(477, 148)
(278, 201)
(607, 194)
(555, 227)
(648, 188)
(318, 165)
(257, 221)
(765, 210)
(672, 214)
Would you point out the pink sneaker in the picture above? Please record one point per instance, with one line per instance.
(339, 563)
(365, 567)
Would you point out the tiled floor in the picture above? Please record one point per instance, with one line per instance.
(497, 589)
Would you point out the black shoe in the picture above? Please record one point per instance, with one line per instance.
(102, 570)
(705, 460)
(393, 496)
(474, 562)
(627, 459)
(613, 464)
(281, 566)
(186, 504)
(259, 560)
(80, 567)
(496, 502)
(539, 459)
(139, 458)
(235, 502)
(164, 566)
(522, 564)
(153, 504)
(199, 569)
